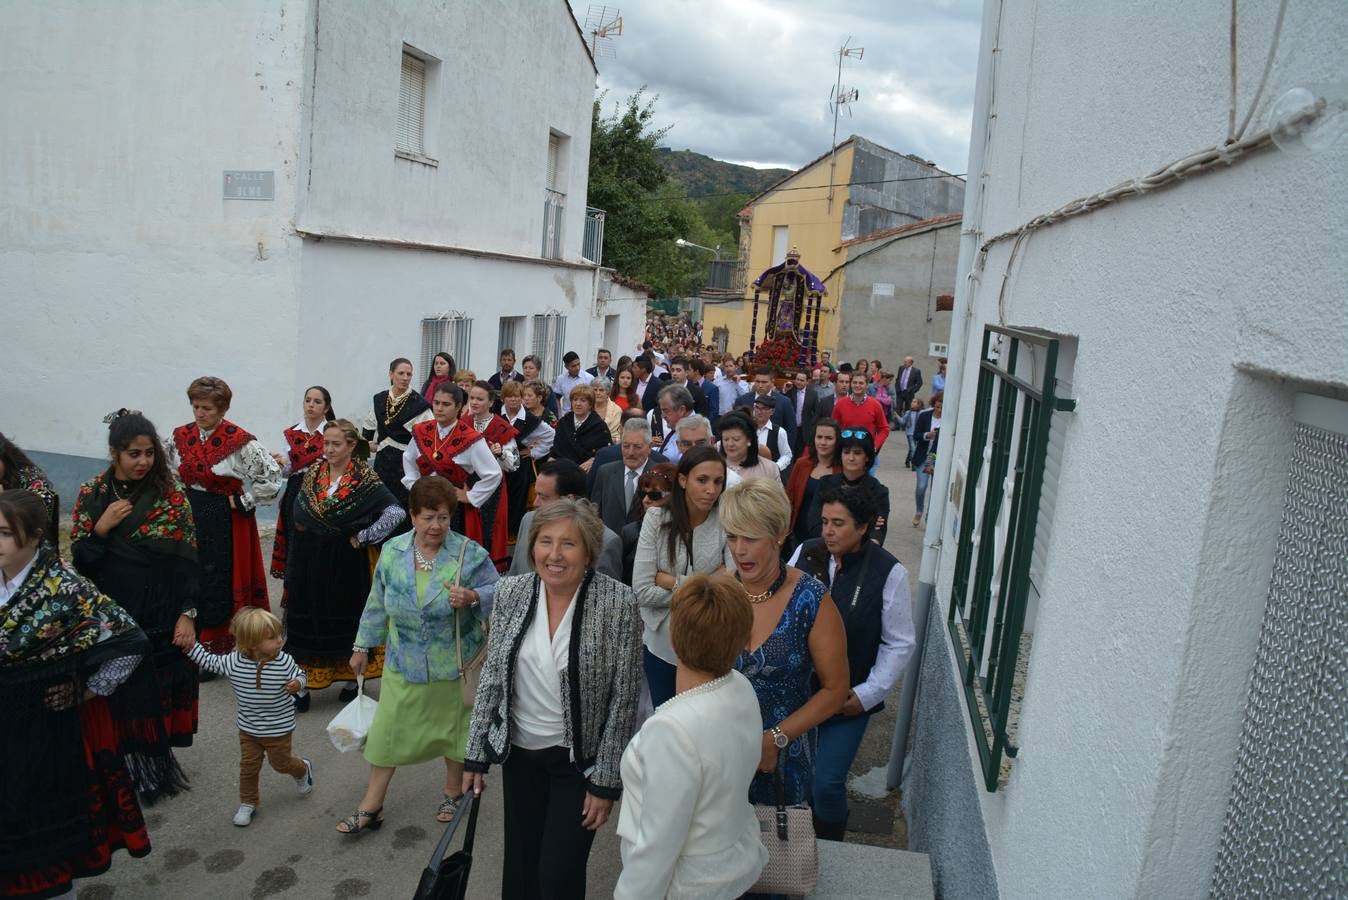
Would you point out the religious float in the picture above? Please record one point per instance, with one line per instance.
(791, 329)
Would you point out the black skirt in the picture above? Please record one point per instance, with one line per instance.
(388, 465)
(215, 558)
(327, 584)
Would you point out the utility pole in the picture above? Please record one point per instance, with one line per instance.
(838, 99)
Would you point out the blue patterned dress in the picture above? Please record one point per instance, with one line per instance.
(780, 671)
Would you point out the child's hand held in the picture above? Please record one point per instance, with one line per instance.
(293, 686)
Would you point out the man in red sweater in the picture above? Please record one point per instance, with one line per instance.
(860, 411)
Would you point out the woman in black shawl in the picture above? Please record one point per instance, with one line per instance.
(133, 536)
(342, 508)
(17, 472)
(64, 648)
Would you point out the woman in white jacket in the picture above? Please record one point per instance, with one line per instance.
(686, 826)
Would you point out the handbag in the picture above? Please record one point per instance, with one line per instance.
(349, 728)
(446, 877)
(470, 673)
(788, 834)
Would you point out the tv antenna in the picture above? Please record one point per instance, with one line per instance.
(603, 24)
(838, 99)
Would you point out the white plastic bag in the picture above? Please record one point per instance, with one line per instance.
(348, 728)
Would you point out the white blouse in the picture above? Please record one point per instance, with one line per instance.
(251, 464)
(477, 459)
(286, 468)
(537, 716)
(539, 442)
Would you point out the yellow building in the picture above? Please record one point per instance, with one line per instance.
(858, 189)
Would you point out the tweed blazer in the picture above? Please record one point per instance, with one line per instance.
(600, 685)
(419, 639)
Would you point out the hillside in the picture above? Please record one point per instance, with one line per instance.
(701, 175)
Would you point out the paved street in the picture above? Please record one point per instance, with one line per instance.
(292, 851)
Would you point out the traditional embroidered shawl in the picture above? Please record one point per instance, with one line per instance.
(359, 499)
(196, 457)
(160, 523)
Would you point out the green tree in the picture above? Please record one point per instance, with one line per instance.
(645, 214)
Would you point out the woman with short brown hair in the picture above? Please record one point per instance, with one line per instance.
(581, 432)
(227, 473)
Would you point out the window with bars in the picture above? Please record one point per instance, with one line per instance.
(411, 130)
(1015, 453)
(509, 335)
(449, 333)
(550, 343)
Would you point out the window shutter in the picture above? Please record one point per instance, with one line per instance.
(411, 105)
(553, 143)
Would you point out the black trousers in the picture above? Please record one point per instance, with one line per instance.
(546, 849)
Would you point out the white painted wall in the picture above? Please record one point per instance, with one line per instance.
(509, 73)
(123, 271)
(1198, 310)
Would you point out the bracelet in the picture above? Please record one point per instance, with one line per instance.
(355, 649)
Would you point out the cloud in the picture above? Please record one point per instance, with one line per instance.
(749, 80)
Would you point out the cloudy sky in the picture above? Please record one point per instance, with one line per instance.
(749, 80)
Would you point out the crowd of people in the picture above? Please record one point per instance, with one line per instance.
(661, 577)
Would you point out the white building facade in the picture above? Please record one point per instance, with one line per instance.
(287, 194)
(1147, 606)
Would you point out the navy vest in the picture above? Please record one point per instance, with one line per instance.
(861, 609)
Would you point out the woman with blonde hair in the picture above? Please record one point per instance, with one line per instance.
(797, 641)
(557, 701)
(686, 826)
(607, 408)
(342, 508)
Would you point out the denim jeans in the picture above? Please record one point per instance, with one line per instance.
(912, 445)
(839, 739)
(659, 677)
(922, 480)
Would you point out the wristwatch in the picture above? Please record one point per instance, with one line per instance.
(190, 613)
(779, 737)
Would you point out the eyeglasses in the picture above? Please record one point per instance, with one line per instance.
(854, 433)
(652, 495)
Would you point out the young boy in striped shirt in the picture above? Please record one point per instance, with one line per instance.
(263, 678)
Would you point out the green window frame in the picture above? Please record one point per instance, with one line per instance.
(991, 586)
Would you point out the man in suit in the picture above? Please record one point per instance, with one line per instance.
(804, 409)
(648, 385)
(703, 372)
(782, 415)
(613, 452)
(602, 367)
(681, 373)
(615, 485)
(556, 480)
(907, 382)
(506, 372)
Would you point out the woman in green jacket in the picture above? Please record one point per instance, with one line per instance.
(430, 598)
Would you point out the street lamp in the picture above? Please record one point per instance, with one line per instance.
(716, 250)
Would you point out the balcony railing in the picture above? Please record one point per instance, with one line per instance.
(721, 274)
(554, 208)
(594, 236)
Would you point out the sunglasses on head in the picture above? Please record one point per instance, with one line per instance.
(652, 495)
(854, 433)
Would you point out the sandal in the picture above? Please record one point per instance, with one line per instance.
(352, 822)
(447, 808)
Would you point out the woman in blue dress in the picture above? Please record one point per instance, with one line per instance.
(797, 641)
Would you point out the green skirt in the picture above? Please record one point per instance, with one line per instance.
(416, 723)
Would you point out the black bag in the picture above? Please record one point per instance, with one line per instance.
(446, 877)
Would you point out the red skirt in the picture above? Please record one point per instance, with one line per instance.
(490, 527)
(115, 821)
(248, 579)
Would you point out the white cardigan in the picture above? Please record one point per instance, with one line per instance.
(709, 554)
(686, 826)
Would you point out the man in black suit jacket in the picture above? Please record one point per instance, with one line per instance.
(907, 382)
(612, 489)
(680, 371)
(650, 395)
(602, 367)
(783, 416)
(804, 410)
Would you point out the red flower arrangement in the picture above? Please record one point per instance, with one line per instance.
(781, 354)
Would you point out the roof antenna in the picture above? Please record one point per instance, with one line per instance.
(603, 24)
(838, 98)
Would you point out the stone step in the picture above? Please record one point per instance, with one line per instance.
(861, 872)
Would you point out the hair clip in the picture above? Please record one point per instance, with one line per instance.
(117, 414)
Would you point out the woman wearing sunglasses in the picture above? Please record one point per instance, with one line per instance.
(654, 488)
(682, 539)
(856, 454)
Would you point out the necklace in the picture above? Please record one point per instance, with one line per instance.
(118, 491)
(423, 563)
(776, 586)
(438, 443)
(393, 406)
(704, 688)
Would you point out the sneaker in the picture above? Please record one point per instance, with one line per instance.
(244, 817)
(305, 782)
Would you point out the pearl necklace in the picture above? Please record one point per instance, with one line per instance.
(423, 563)
(704, 688)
